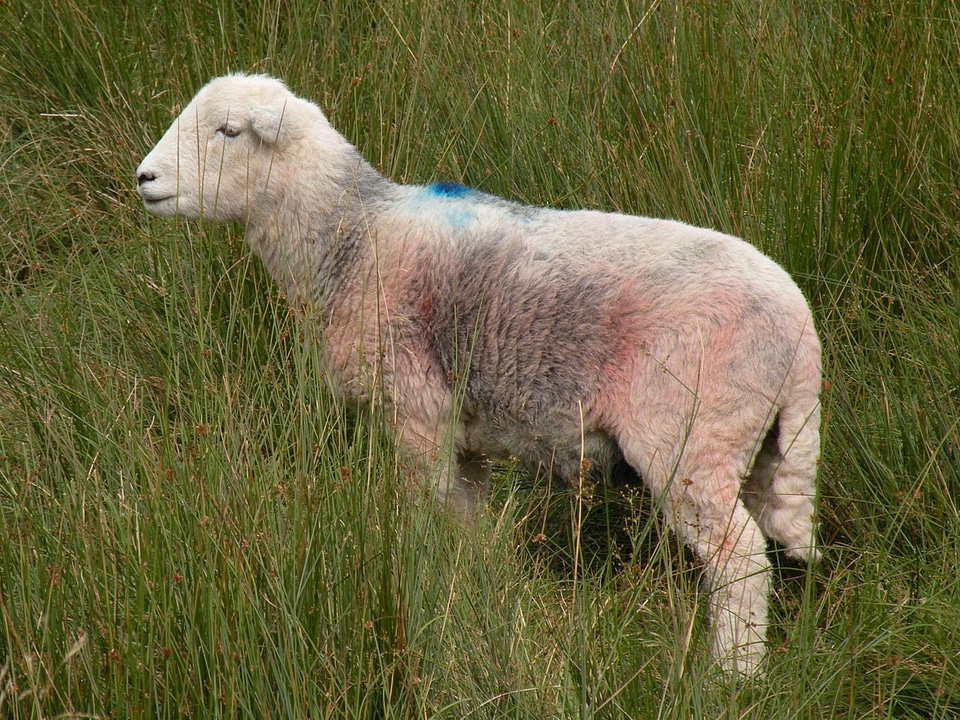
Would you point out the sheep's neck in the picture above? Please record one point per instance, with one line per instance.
(325, 260)
(300, 234)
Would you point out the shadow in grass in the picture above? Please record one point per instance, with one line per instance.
(599, 529)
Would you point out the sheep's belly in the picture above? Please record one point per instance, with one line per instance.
(558, 448)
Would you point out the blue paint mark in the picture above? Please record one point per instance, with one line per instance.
(448, 189)
(449, 202)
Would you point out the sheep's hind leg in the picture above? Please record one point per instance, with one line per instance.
(701, 501)
(738, 578)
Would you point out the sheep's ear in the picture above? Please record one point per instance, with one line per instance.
(268, 122)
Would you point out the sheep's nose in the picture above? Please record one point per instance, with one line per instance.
(145, 177)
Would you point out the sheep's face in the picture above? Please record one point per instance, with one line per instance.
(218, 160)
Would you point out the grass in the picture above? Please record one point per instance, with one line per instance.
(190, 523)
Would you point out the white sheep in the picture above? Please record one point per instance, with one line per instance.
(494, 329)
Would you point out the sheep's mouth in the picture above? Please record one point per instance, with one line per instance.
(165, 206)
(152, 195)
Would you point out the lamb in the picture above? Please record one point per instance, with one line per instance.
(493, 329)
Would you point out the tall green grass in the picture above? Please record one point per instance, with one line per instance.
(191, 524)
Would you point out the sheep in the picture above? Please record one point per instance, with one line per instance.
(492, 329)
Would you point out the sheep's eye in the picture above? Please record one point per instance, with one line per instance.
(228, 131)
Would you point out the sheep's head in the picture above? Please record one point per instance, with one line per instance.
(219, 160)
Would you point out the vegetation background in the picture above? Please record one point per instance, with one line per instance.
(190, 524)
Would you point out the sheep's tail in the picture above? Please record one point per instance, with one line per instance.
(781, 490)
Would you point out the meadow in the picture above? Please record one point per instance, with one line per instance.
(191, 524)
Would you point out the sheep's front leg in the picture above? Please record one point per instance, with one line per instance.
(473, 481)
(459, 480)
(463, 486)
